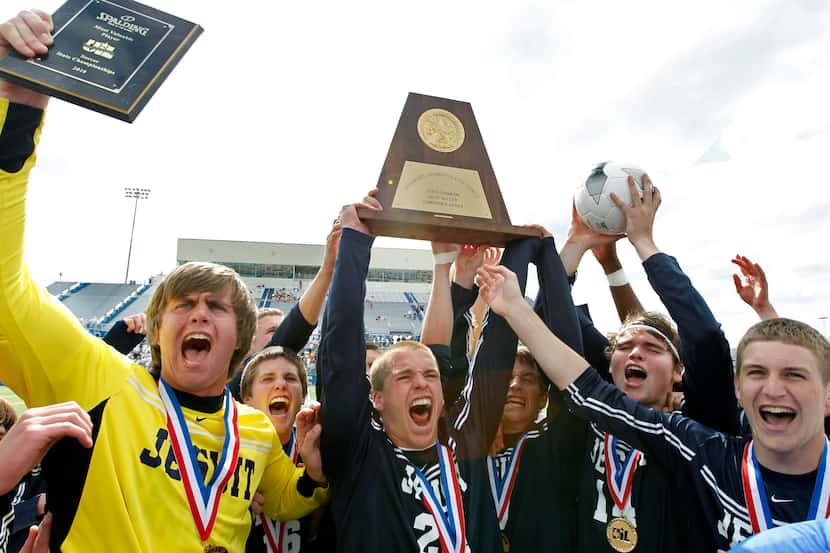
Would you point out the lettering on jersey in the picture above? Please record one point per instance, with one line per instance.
(411, 485)
(424, 524)
(733, 528)
(163, 454)
(291, 541)
(604, 501)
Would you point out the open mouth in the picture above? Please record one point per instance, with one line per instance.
(777, 415)
(635, 374)
(514, 400)
(195, 347)
(278, 406)
(420, 410)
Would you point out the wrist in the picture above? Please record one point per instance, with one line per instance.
(516, 310)
(617, 278)
(444, 258)
(645, 247)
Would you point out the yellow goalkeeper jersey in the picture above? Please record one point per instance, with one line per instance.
(125, 494)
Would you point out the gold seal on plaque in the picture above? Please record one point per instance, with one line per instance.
(505, 543)
(621, 534)
(441, 130)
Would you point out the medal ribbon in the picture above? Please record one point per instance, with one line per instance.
(202, 498)
(450, 523)
(620, 476)
(755, 493)
(502, 488)
(275, 530)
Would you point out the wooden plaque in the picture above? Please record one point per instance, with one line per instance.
(437, 182)
(108, 55)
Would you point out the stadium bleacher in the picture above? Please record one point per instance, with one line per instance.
(389, 311)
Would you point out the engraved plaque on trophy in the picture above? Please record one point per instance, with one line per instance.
(437, 182)
(108, 55)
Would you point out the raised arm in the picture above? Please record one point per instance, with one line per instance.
(437, 326)
(476, 414)
(625, 299)
(589, 396)
(704, 351)
(342, 353)
(312, 300)
(42, 345)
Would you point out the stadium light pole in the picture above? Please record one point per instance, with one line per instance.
(138, 194)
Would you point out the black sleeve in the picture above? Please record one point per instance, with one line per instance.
(293, 332)
(594, 343)
(341, 357)
(454, 375)
(17, 139)
(708, 386)
(476, 414)
(555, 306)
(121, 340)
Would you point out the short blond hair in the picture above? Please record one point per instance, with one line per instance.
(268, 312)
(787, 331)
(383, 364)
(200, 277)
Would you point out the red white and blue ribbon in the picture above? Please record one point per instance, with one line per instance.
(620, 476)
(275, 530)
(202, 498)
(449, 521)
(502, 488)
(755, 493)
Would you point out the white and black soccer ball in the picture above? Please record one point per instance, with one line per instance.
(593, 199)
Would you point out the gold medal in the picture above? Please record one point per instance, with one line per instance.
(505, 543)
(621, 534)
(215, 549)
(441, 130)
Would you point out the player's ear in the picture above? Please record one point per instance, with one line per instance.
(377, 401)
(737, 381)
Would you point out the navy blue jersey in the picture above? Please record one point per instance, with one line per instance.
(376, 496)
(662, 522)
(702, 464)
(541, 514)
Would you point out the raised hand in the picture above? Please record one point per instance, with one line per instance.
(332, 243)
(639, 217)
(29, 34)
(580, 239)
(499, 287)
(755, 292)
(469, 259)
(348, 213)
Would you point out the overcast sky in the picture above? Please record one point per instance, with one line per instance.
(283, 111)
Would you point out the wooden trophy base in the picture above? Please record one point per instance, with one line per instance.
(432, 227)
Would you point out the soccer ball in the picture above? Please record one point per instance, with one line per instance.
(593, 199)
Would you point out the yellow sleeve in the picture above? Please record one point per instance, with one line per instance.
(46, 356)
(279, 486)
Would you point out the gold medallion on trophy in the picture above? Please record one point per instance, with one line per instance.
(621, 534)
(441, 130)
(505, 543)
